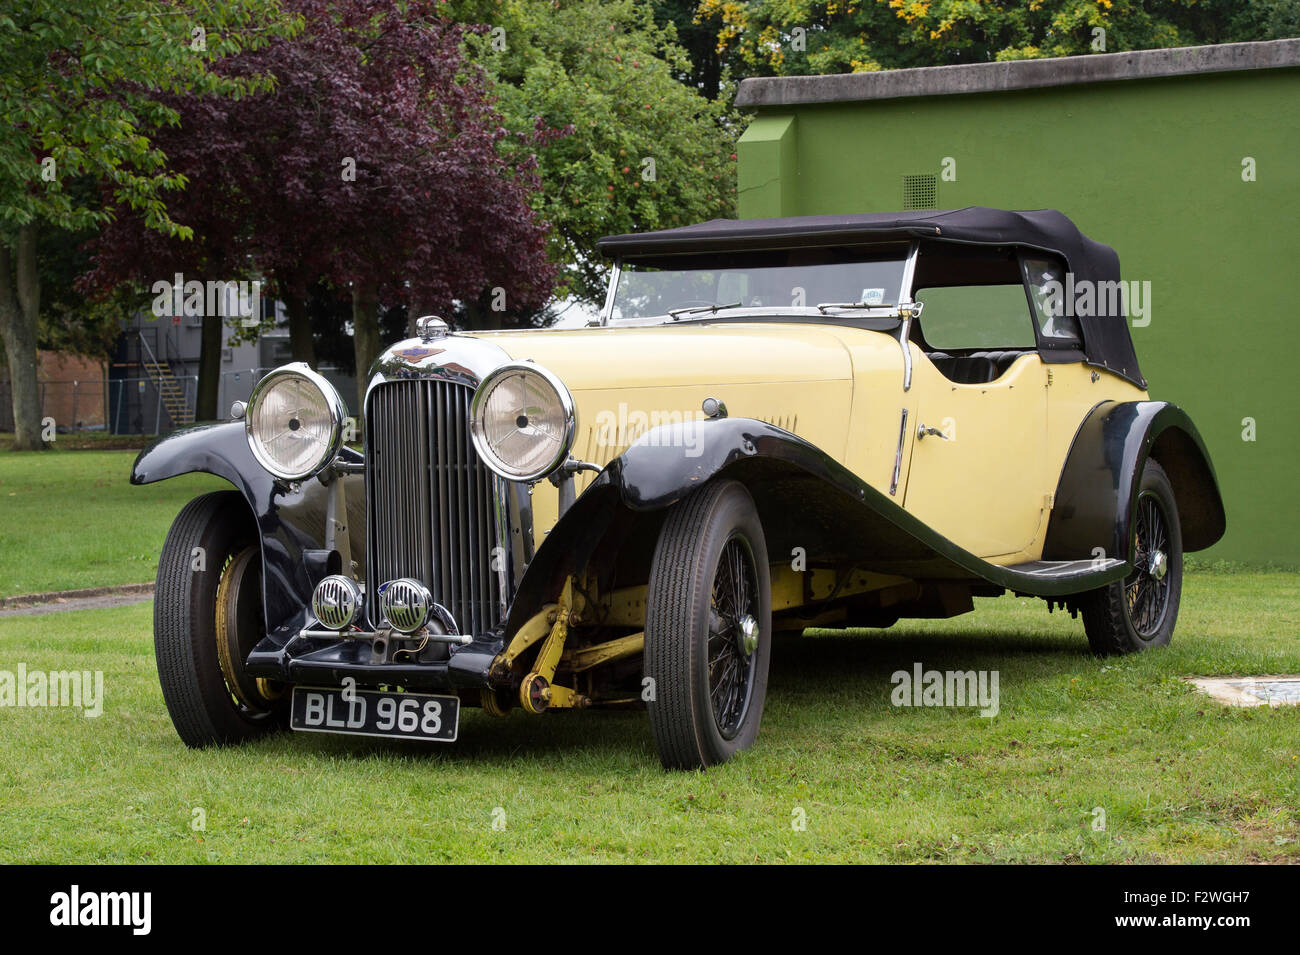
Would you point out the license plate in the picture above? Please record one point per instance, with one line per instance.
(375, 713)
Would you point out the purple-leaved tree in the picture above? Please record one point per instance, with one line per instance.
(373, 165)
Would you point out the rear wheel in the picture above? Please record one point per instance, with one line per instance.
(1139, 612)
(207, 617)
(708, 628)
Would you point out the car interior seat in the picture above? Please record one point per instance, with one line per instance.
(978, 367)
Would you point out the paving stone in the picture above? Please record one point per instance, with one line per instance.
(1251, 690)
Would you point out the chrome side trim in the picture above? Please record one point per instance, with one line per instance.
(898, 454)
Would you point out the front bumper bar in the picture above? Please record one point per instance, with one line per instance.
(325, 661)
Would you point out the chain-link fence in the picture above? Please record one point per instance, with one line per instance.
(113, 405)
(128, 405)
(136, 405)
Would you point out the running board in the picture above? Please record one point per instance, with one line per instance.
(1047, 578)
(1064, 569)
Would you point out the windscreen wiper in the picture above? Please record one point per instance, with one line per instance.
(695, 309)
(824, 307)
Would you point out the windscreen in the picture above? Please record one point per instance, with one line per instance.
(795, 279)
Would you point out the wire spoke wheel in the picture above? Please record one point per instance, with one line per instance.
(1139, 612)
(708, 632)
(731, 668)
(1147, 588)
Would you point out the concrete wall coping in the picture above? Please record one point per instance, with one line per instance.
(1017, 74)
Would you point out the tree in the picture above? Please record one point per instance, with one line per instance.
(377, 165)
(698, 41)
(66, 322)
(642, 151)
(80, 88)
(794, 37)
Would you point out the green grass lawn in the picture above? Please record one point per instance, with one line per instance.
(88, 440)
(1180, 777)
(71, 519)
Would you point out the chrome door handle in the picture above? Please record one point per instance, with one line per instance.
(925, 429)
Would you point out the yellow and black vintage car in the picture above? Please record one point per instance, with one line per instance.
(775, 424)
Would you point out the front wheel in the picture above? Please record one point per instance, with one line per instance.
(207, 617)
(708, 628)
(1139, 612)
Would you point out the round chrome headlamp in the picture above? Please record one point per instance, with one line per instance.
(405, 604)
(294, 422)
(522, 420)
(336, 602)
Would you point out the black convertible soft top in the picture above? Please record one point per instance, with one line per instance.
(1106, 336)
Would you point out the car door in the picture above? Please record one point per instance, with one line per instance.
(977, 473)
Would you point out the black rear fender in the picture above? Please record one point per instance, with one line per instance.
(1092, 509)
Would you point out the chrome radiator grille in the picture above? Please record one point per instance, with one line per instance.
(430, 506)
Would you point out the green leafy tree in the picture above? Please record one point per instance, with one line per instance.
(69, 321)
(794, 37)
(641, 150)
(697, 39)
(79, 95)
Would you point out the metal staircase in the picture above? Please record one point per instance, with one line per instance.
(170, 391)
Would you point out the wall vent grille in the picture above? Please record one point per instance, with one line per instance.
(920, 192)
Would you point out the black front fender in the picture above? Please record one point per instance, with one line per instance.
(669, 462)
(1099, 482)
(289, 519)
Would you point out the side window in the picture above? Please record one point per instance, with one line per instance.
(1045, 279)
(959, 317)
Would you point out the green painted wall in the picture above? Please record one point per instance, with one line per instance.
(767, 177)
(1150, 167)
